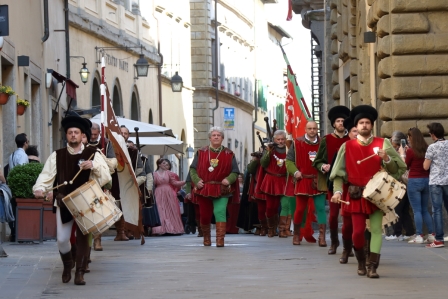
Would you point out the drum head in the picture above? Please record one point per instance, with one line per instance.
(376, 182)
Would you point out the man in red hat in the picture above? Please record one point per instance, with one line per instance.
(328, 148)
(347, 168)
(60, 167)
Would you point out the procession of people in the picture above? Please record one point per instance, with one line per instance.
(286, 182)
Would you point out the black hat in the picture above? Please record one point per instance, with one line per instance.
(338, 112)
(76, 122)
(348, 124)
(363, 111)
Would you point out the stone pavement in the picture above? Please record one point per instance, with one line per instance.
(248, 267)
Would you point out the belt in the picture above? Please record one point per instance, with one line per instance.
(311, 176)
(275, 174)
(213, 183)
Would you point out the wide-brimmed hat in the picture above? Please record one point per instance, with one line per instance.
(338, 112)
(76, 122)
(348, 124)
(363, 111)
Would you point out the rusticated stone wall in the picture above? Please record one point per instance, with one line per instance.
(413, 62)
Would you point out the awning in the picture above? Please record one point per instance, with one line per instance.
(159, 145)
(70, 86)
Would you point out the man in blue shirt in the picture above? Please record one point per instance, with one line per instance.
(19, 157)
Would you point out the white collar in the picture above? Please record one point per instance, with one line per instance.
(315, 141)
(71, 150)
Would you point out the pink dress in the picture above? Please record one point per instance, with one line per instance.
(167, 184)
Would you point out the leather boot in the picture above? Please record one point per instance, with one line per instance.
(257, 231)
(288, 226)
(334, 241)
(367, 251)
(200, 233)
(129, 234)
(97, 243)
(272, 226)
(263, 227)
(348, 245)
(81, 262)
(322, 241)
(207, 234)
(67, 261)
(220, 233)
(87, 270)
(119, 226)
(73, 252)
(282, 227)
(361, 257)
(296, 236)
(374, 262)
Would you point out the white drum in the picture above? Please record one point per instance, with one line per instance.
(384, 191)
(93, 210)
(389, 219)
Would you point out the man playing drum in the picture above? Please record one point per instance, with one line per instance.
(299, 161)
(352, 166)
(328, 148)
(62, 167)
(214, 173)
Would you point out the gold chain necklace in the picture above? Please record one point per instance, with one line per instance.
(213, 162)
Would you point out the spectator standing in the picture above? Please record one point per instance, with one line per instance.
(33, 154)
(18, 157)
(402, 209)
(418, 184)
(435, 160)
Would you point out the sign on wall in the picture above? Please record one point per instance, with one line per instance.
(229, 118)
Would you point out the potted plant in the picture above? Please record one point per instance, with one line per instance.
(22, 104)
(5, 93)
(29, 215)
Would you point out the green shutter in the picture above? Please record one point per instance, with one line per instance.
(262, 102)
(280, 116)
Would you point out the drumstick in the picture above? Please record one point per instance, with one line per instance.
(64, 183)
(346, 202)
(360, 161)
(71, 182)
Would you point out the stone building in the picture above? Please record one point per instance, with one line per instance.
(35, 43)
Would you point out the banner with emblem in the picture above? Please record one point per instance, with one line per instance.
(296, 110)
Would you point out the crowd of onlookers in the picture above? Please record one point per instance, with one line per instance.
(427, 186)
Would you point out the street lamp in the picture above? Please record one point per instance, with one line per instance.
(189, 152)
(176, 83)
(142, 66)
(84, 73)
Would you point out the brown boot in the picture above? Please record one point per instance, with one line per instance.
(367, 251)
(87, 270)
(322, 241)
(129, 234)
(97, 243)
(119, 226)
(257, 231)
(272, 226)
(207, 234)
(348, 245)
(288, 226)
(334, 241)
(263, 227)
(374, 262)
(81, 262)
(73, 251)
(361, 257)
(282, 227)
(220, 233)
(296, 236)
(200, 234)
(67, 261)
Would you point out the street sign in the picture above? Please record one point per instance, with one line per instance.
(4, 20)
(229, 118)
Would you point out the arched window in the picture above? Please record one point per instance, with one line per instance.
(134, 107)
(116, 100)
(96, 93)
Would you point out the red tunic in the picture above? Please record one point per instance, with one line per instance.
(259, 180)
(304, 155)
(212, 180)
(274, 182)
(252, 186)
(333, 145)
(360, 174)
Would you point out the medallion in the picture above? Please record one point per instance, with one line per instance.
(280, 162)
(211, 169)
(214, 162)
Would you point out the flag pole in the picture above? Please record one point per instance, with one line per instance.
(103, 96)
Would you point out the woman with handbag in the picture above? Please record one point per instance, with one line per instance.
(167, 184)
(402, 209)
(418, 184)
